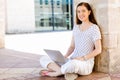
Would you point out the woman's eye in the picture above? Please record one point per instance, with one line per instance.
(83, 10)
(78, 11)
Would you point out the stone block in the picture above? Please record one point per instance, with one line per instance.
(110, 40)
(2, 23)
(2, 41)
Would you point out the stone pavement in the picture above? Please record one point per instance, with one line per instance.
(15, 65)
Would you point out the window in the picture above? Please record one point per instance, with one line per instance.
(46, 2)
(41, 2)
(58, 3)
(36, 1)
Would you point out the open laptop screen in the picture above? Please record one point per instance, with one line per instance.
(56, 56)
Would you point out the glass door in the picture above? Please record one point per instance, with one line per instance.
(52, 15)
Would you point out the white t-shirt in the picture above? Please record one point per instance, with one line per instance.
(84, 40)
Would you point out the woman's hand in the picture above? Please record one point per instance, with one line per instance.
(78, 58)
(65, 56)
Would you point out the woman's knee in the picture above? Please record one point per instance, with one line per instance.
(69, 67)
(44, 61)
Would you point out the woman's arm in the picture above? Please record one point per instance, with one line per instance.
(71, 48)
(95, 52)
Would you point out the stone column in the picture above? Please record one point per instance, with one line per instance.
(114, 35)
(107, 14)
(2, 23)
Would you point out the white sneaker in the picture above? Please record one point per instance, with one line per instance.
(70, 76)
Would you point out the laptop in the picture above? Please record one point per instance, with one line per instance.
(56, 56)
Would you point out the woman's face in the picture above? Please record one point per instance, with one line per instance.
(83, 13)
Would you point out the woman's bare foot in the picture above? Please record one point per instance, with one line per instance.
(44, 72)
(51, 73)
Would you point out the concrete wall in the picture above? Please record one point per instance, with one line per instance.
(107, 13)
(20, 16)
(2, 23)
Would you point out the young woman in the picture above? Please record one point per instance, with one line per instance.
(85, 45)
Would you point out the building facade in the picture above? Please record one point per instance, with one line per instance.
(38, 15)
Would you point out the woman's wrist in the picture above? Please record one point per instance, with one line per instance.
(84, 58)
